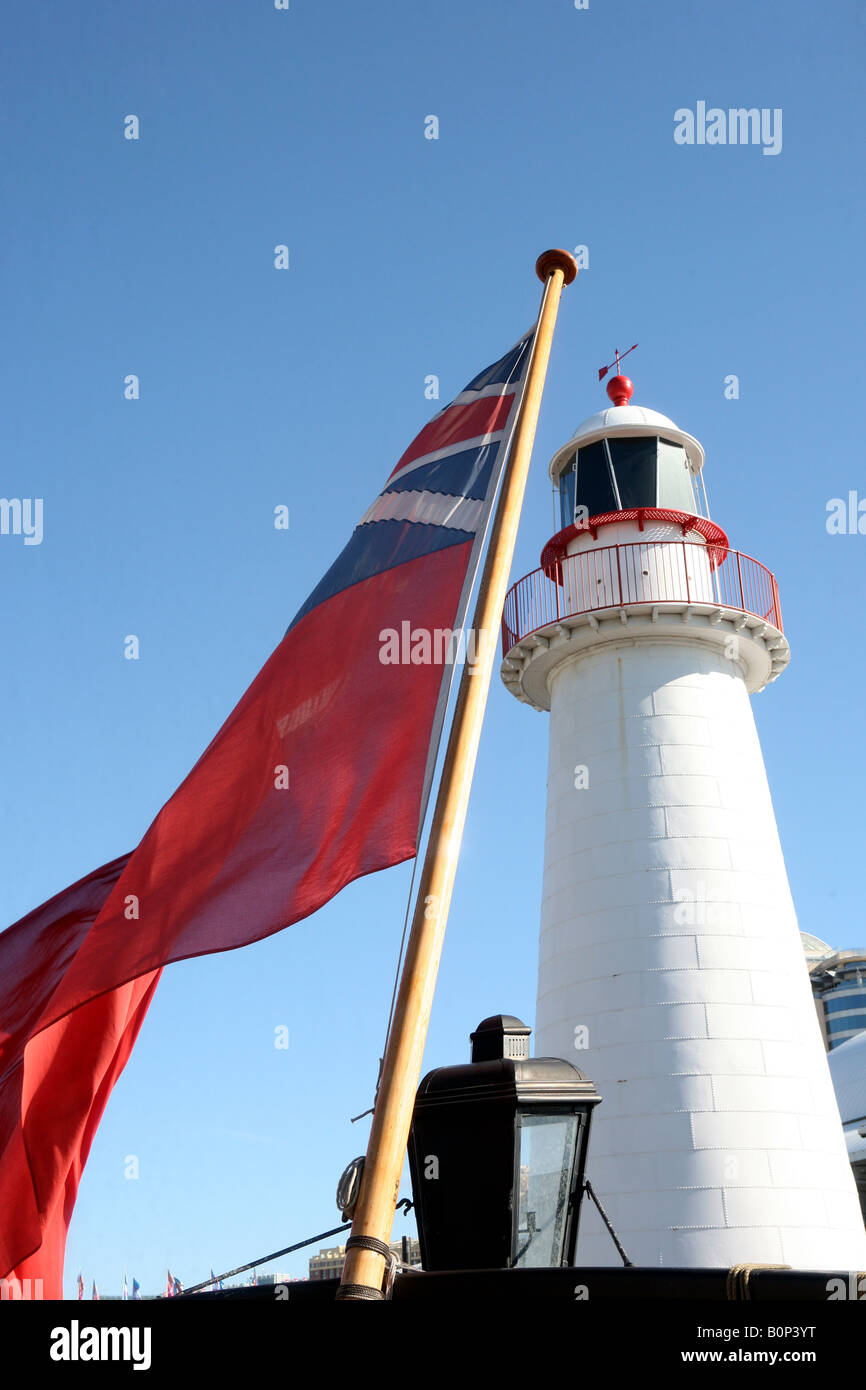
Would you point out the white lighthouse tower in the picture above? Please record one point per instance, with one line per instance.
(671, 969)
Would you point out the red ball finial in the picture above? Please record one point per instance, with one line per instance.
(620, 390)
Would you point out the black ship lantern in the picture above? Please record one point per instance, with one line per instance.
(497, 1153)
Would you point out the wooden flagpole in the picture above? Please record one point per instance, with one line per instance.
(392, 1117)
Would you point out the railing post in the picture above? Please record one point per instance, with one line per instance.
(619, 575)
(777, 607)
(740, 582)
(686, 568)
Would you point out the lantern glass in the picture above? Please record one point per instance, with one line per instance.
(548, 1144)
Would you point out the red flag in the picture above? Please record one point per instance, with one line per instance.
(317, 777)
(54, 1082)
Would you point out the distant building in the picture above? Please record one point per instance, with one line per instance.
(839, 987)
(814, 948)
(279, 1277)
(328, 1264)
(848, 1070)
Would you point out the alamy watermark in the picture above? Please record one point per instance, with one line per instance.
(438, 646)
(846, 516)
(20, 1290)
(854, 1288)
(22, 516)
(737, 125)
(77, 1343)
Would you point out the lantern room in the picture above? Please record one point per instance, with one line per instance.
(627, 457)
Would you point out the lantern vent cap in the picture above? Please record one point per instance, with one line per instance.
(502, 1037)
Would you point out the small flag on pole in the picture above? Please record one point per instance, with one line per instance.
(80, 1284)
(125, 1290)
(603, 371)
(136, 1291)
(94, 1293)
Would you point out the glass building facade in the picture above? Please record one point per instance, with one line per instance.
(839, 987)
(848, 1070)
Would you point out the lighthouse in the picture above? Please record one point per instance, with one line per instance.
(670, 964)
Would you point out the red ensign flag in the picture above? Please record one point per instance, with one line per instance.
(316, 778)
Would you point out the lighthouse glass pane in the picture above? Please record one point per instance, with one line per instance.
(594, 485)
(547, 1150)
(566, 495)
(634, 463)
(676, 488)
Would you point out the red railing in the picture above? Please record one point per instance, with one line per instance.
(615, 576)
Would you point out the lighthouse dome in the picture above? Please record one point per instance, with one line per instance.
(627, 421)
(621, 415)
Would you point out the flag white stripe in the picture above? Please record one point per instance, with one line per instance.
(467, 397)
(427, 509)
(437, 454)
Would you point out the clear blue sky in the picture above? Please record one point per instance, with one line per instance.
(408, 256)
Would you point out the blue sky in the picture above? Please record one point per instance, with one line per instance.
(302, 387)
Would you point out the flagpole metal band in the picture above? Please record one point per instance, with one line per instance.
(366, 1291)
(369, 1243)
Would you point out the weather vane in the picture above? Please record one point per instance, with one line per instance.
(603, 371)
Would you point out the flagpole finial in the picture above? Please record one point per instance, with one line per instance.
(620, 389)
(556, 259)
